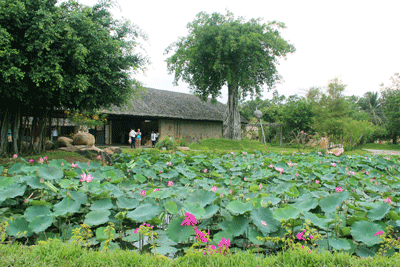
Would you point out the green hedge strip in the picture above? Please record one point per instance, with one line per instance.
(55, 253)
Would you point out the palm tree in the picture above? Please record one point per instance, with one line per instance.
(373, 105)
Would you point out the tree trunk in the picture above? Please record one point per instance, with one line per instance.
(15, 132)
(5, 125)
(231, 126)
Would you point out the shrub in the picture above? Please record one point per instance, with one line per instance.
(166, 142)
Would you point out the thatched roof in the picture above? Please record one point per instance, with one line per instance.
(168, 104)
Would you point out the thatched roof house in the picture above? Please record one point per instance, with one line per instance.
(166, 112)
(173, 105)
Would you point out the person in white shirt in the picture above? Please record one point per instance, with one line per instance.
(132, 136)
(153, 138)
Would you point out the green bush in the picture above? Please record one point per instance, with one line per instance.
(166, 142)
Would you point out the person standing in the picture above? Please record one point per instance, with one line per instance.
(153, 138)
(54, 134)
(138, 138)
(132, 136)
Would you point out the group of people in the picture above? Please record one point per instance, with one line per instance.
(135, 138)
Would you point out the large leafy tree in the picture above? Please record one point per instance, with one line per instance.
(391, 100)
(223, 50)
(67, 56)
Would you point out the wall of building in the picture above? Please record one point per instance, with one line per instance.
(190, 130)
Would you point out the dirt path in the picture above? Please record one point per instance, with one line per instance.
(383, 152)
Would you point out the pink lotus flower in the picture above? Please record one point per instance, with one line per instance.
(367, 173)
(245, 179)
(86, 178)
(143, 193)
(189, 220)
(280, 170)
(170, 183)
(221, 195)
(41, 160)
(317, 181)
(270, 166)
(296, 174)
(333, 164)
(311, 237)
(74, 165)
(214, 189)
(99, 156)
(205, 170)
(156, 189)
(45, 158)
(264, 223)
(388, 200)
(338, 189)
(260, 186)
(230, 192)
(379, 232)
(31, 161)
(168, 163)
(15, 156)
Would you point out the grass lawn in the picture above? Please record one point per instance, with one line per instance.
(219, 144)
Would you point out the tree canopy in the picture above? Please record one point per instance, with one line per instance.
(221, 50)
(67, 56)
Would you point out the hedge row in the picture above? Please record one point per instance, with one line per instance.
(56, 253)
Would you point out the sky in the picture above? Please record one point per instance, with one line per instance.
(355, 41)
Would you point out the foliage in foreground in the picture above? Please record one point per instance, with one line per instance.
(235, 196)
(55, 253)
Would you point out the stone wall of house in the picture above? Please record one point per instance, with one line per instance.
(190, 130)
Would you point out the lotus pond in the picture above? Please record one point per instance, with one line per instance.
(258, 201)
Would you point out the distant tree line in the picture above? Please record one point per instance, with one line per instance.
(349, 120)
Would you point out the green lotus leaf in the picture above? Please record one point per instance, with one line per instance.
(237, 226)
(50, 172)
(177, 232)
(238, 207)
(12, 191)
(101, 236)
(16, 168)
(286, 213)
(102, 204)
(169, 174)
(79, 197)
(65, 206)
(339, 243)
(41, 223)
(364, 252)
(5, 181)
(306, 205)
(97, 217)
(127, 203)
(262, 216)
(274, 200)
(210, 211)
(144, 212)
(185, 172)
(365, 232)
(34, 211)
(19, 226)
(377, 213)
(171, 207)
(253, 234)
(202, 197)
(329, 204)
(282, 187)
(195, 209)
(221, 234)
(164, 250)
